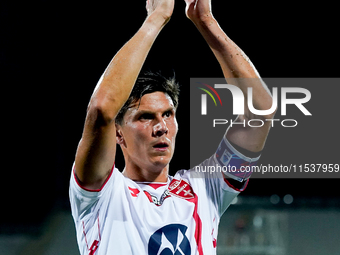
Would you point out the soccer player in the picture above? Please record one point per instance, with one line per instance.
(143, 210)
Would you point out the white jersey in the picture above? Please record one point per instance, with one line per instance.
(128, 217)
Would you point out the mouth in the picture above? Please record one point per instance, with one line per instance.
(162, 146)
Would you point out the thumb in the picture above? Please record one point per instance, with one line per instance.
(190, 6)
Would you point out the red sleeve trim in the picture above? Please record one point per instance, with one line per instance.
(231, 186)
(92, 190)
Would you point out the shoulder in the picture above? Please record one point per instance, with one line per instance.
(82, 194)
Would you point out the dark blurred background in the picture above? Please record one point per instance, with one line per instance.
(52, 54)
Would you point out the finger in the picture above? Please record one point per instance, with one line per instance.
(148, 7)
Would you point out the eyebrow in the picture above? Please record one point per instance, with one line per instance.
(140, 112)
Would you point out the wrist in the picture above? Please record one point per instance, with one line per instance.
(152, 25)
(157, 19)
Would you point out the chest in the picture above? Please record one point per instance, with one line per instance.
(174, 202)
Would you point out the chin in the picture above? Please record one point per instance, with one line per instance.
(161, 162)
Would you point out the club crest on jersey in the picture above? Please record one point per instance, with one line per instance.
(181, 188)
(170, 240)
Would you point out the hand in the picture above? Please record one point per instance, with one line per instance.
(161, 7)
(198, 10)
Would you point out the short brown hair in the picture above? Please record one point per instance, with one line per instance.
(150, 82)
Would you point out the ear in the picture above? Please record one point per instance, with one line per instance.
(119, 136)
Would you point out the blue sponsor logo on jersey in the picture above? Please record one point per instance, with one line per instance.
(169, 240)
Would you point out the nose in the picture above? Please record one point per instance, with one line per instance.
(160, 128)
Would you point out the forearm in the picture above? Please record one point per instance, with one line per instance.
(236, 66)
(116, 83)
(233, 61)
(239, 71)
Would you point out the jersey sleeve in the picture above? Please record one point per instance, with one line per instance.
(85, 202)
(214, 173)
(88, 206)
(213, 185)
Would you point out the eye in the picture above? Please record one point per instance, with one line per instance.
(168, 114)
(146, 116)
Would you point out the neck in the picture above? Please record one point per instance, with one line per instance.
(154, 174)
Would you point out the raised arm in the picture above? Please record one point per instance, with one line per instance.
(96, 150)
(238, 70)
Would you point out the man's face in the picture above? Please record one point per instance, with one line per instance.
(148, 132)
